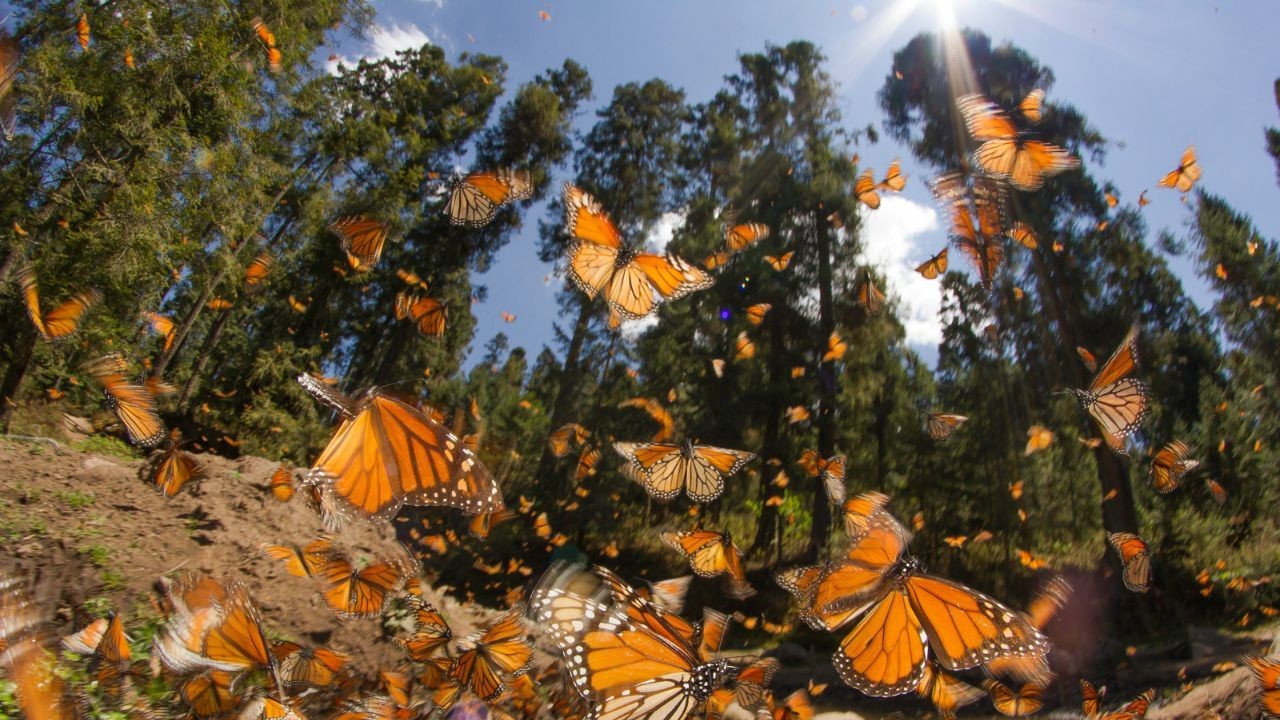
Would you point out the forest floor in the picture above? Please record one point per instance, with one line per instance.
(89, 532)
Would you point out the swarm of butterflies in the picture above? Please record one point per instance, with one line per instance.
(620, 652)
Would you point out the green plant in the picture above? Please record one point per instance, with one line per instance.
(97, 606)
(75, 498)
(103, 445)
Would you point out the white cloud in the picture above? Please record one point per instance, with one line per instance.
(859, 13)
(438, 3)
(665, 229)
(383, 42)
(892, 243)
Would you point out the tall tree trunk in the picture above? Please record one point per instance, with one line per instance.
(206, 352)
(821, 508)
(14, 375)
(767, 526)
(565, 392)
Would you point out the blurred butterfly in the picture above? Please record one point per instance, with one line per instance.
(430, 632)
(175, 469)
(756, 313)
(1185, 175)
(1007, 154)
(133, 405)
(831, 470)
(659, 414)
(476, 198)
(1216, 489)
(209, 693)
(62, 321)
(214, 625)
(307, 561)
(482, 524)
(1266, 671)
(1086, 357)
(711, 262)
(713, 554)
(780, 262)
(1026, 701)
(796, 706)
(502, 649)
(903, 616)
(565, 437)
(411, 278)
(836, 347)
(296, 305)
(666, 469)
(1091, 699)
(316, 668)
(362, 239)
(738, 237)
(1032, 106)
(268, 40)
(894, 179)
(947, 692)
(82, 31)
(219, 304)
(744, 348)
(864, 189)
(1024, 235)
(933, 267)
(386, 454)
(353, 592)
(103, 639)
(599, 262)
(870, 297)
(1039, 437)
(1134, 558)
(430, 314)
(255, 275)
(1117, 403)
(282, 483)
(1170, 464)
(943, 425)
(508, 317)
(797, 413)
(587, 461)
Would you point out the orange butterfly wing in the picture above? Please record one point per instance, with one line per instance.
(362, 239)
(1135, 559)
(966, 628)
(884, 654)
(585, 219)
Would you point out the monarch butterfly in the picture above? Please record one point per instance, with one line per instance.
(62, 321)
(213, 625)
(1024, 235)
(796, 706)
(797, 413)
(411, 278)
(1026, 701)
(296, 305)
(1086, 357)
(482, 524)
(133, 405)
(175, 469)
(738, 237)
(161, 326)
(359, 592)
(103, 639)
(218, 304)
(307, 561)
(209, 694)
(858, 512)
(82, 31)
(1007, 154)
(713, 554)
(502, 649)
(1134, 558)
(1136, 709)
(561, 440)
(717, 367)
(476, 198)
(865, 190)
(255, 275)
(275, 58)
(1169, 465)
(1032, 106)
(1117, 403)
(1039, 437)
(713, 261)
(744, 348)
(836, 347)
(282, 483)
(1143, 201)
(430, 314)
(310, 667)
(1218, 492)
(944, 425)
(668, 595)
(870, 297)
(599, 262)
(666, 425)
(904, 616)
(624, 656)
(1185, 175)
(1112, 200)
(586, 466)
(362, 239)
(831, 470)
(756, 313)
(1091, 699)
(430, 632)
(894, 179)
(267, 708)
(387, 454)
(1044, 606)
(750, 685)
(780, 262)
(985, 255)
(698, 470)
(542, 526)
(933, 267)
(1266, 670)
(947, 692)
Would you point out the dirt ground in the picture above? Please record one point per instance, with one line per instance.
(89, 533)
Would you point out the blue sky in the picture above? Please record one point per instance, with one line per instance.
(1152, 76)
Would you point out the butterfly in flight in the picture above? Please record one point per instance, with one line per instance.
(712, 554)
(362, 239)
(600, 262)
(476, 198)
(133, 405)
(62, 321)
(1185, 175)
(1170, 464)
(903, 616)
(666, 469)
(1007, 153)
(1135, 560)
(1117, 403)
(943, 425)
(387, 454)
